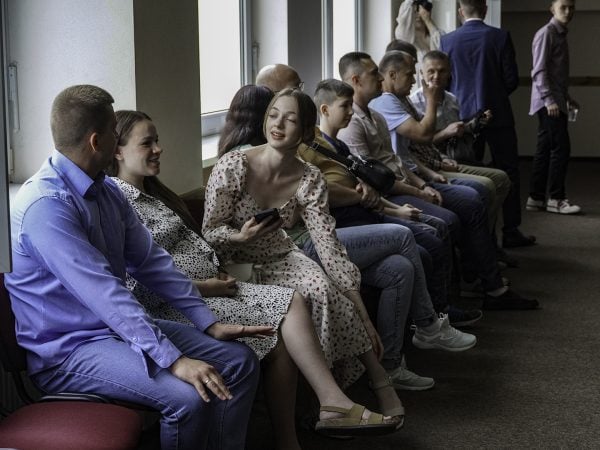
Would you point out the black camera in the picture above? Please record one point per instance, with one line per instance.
(424, 4)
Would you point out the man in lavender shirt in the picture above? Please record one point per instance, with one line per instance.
(74, 238)
(551, 102)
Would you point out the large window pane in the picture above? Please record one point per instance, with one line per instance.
(220, 67)
(344, 31)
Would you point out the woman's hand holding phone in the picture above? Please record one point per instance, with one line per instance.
(260, 224)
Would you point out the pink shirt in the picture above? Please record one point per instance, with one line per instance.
(550, 73)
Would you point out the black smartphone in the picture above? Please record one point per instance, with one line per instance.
(271, 214)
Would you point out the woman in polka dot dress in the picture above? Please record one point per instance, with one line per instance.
(245, 183)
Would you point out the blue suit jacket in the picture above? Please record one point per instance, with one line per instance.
(484, 70)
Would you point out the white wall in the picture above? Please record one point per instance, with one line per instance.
(270, 31)
(304, 41)
(380, 22)
(167, 69)
(58, 43)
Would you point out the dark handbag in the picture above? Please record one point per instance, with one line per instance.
(370, 170)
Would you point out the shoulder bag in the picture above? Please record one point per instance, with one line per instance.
(370, 170)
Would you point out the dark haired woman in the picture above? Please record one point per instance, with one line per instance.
(243, 123)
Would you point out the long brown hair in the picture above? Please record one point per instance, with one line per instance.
(126, 120)
(244, 118)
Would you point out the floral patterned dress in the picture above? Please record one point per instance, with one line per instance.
(252, 305)
(279, 261)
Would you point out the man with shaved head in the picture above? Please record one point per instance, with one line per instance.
(277, 77)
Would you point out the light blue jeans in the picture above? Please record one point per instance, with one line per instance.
(389, 260)
(111, 368)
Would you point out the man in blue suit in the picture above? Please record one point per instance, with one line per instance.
(484, 74)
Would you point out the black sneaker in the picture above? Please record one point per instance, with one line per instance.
(463, 318)
(509, 300)
(515, 238)
(504, 257)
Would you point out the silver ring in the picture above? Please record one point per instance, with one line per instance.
(208, 380)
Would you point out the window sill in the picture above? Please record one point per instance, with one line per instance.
(209, 150)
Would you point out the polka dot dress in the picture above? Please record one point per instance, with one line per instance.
(278, 261)
(252, 305)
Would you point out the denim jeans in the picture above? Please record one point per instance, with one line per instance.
(496, 182)
(478, 251)
(389, 260)
(431, 234)
(110, 367)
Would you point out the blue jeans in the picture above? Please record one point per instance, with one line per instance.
(450, 219)
(478, 251)
(111, 368)
(389, 260)
(431, 234)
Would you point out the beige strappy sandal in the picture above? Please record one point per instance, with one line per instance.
(352, 422)
(396, 413)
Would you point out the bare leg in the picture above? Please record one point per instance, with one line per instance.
(301, 346)
(305, 350)
(280, 380)
(389, 403)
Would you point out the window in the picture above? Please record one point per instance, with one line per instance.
(219, 53)
(224, 63)
(341, 28)
(345, 30)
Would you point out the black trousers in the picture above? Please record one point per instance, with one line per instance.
(505, 156)
(551, 157)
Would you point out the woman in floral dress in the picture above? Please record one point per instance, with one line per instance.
(244, 183)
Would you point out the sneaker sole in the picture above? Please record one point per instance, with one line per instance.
(430, 346)
(535, 208)
(554, 211)
(403, 387)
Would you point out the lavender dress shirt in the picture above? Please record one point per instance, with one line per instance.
(73, 241)
(550, 74)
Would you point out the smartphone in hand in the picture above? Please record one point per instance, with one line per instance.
(271, 215)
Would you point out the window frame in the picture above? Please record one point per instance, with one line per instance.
(5, 247)
(327, 62)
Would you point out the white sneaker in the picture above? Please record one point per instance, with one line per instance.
(562, 206)
(534, 205)
(443, 336)
(404, 379)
